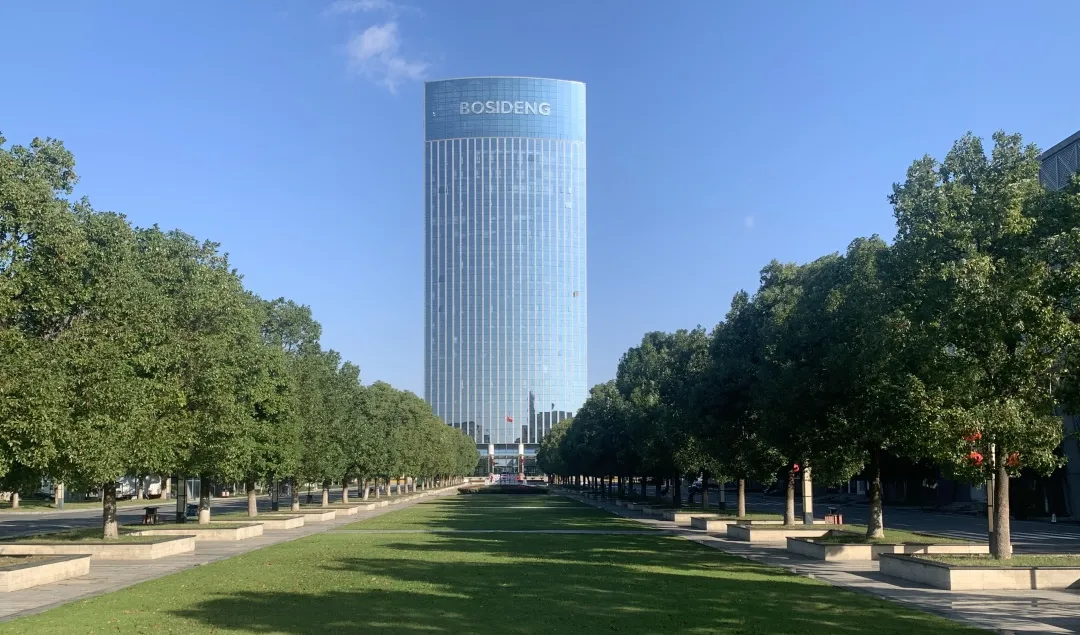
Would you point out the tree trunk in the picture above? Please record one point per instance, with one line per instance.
(676, 490)
(110, 528)
(740, 505)
(166, 490)
(326, 494)
(875, 526)
(345, 491)
(1001, 539)
(294, 504)
(363, 489)
(644, 486)
(789, 502)
(204, 500)
(253, 505)
(14, 500)
(275, 489)
(138, 488)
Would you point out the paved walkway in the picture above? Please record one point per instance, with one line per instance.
(583, 532)
(1001, 611)
(108, 576)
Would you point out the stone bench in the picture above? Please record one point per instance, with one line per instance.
(274, 522)
(25, 575)
(760, 534)
(249, 530)
(721, 524)
(990, 577)
(684, 517)
(831, 552)
(166, 546)
(317, 515)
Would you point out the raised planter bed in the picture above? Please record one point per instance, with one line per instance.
(209, 531)
(317, 514)
(969, 578)
(38, 570)
(768, 534)
(810, 548)
(342, 510)
(153, 549)
(720, 524)
(275, 521)
(684, 517)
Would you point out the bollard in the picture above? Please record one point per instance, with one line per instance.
(1053, 518)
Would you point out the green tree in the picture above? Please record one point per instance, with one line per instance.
(549, 457)
(658, 378)
(112, 353)
(980, 285)
(41, 248)
(728, 424)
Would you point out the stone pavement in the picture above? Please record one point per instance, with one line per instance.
(108, 576)
(572, 532)
(1007, 612)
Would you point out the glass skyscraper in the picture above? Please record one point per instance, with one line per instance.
(504, 254)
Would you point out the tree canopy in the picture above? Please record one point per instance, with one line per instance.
(136, 351)
(954, 345)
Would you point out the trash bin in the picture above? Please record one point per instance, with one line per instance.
(192, 510)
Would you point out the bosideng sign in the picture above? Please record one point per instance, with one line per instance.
(505, 108)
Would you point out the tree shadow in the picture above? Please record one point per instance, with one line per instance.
(500, 511)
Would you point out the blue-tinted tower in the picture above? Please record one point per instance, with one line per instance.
(504, 255)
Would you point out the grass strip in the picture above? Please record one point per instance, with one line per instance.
(87, 534)
(14, 561)
(856, 535)
(1048, 560)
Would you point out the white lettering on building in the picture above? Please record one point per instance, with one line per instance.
(505, 108)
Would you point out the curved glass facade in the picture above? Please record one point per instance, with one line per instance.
(504, 238)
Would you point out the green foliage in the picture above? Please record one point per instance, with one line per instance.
(132, 351)
(983, 283)
(955, 346)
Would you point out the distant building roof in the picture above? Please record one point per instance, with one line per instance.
(1060, 163)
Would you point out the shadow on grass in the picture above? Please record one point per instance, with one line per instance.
(499, 511)
(549, 584)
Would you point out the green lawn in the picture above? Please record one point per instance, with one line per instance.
(499, 511)
(1069, 560)
(11, 561)
(857, 535)
(511, 583)
(88, 534)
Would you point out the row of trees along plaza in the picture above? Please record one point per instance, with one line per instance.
(955, 345)
(135, 351)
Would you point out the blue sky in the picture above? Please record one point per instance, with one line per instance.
(721, 134)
